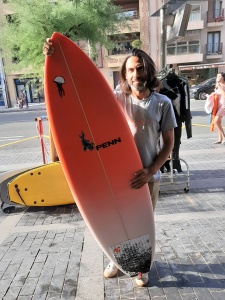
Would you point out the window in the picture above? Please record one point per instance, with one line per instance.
(217, 12)
(122, 43)
(171, 49)
(195, 13)
(121, 48)
(193, 32)
(131, 14)
(193, 47)
(213, 42)
(185, 47)
(181, 48)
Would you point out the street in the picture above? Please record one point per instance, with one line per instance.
(19, 141)
(48, 252)
(19, 136)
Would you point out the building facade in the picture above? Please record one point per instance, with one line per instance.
(198, 54)
(141, 27)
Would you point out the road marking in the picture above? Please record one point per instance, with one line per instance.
(23, 140)
(8, 137)
(202, 125)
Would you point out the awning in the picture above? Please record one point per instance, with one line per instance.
(202, 66)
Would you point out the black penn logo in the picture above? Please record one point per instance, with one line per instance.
(88, 145)
(59, 81)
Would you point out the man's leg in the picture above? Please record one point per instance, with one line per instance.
(111, 270)
(154, 192)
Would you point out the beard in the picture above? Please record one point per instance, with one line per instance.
(140, 87)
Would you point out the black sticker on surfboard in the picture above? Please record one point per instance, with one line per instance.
(59, 81)
(134, 256)
(87, 145)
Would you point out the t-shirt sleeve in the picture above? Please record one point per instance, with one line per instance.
(168, 117)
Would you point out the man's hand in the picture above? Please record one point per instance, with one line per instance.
(48, 48)
(140, 178)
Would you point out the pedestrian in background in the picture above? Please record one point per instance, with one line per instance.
(215, 104)
(21, 100)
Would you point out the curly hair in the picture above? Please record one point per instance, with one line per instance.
(149, 67)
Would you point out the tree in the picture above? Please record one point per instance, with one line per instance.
(136, 44)
(24, 32)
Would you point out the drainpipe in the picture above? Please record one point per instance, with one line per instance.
(163, 37)
(3, 83)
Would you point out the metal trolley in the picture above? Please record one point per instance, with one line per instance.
(173, 179)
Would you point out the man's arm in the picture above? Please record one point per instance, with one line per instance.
(143, 176)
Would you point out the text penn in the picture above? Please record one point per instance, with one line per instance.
(108, 144)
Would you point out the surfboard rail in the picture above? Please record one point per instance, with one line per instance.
(98, 156)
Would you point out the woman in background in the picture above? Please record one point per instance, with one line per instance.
(220, 112)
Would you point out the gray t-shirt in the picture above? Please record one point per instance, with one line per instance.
(147, 119)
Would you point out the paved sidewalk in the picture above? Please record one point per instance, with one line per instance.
(32, 107)
(48, 253)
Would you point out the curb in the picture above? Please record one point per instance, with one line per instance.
(32, 108)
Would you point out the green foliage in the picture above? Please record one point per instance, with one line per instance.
(23, 33)
(136, 44)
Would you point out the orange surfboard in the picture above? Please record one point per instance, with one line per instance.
(98, 157)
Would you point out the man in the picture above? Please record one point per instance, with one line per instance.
(150, 116)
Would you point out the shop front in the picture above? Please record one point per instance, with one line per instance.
(201, 72)
(31, 89)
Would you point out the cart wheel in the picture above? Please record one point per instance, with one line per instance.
(186, 190)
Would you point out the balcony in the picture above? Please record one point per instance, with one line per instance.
(214, 50)
(184, 52)
(132, 26)
(117, 54)
(215, 18)
(194, 25)
(184, 58)
(115, 61)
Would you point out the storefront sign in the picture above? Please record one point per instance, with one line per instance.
(202, 67)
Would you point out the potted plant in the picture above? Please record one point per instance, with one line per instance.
(136, 44)
(219, 19)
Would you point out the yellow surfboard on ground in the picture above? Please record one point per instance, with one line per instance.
(42, 186)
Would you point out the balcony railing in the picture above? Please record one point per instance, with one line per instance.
(216, 15)
(132, 14)
(214, 48)
(121, 48)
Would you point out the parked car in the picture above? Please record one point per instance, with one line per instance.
(200, 90)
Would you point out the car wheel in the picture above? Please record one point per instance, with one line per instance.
(202, 96)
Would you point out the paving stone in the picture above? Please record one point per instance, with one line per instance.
(29, 287)
(112, 294)
(12, 293)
